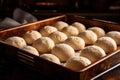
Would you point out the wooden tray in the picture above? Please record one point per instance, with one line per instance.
(49, 68)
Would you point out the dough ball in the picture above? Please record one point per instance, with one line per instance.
(63, 51)
(60, 25)
(77, 63)
(50, 57)
(79, 26)
(58, 36)
(16, 41)
(106, 43)
(31, 36)
(75, 42)
(99, 31)
(43, 44)
(70, 31)
(115, 35)
(93, 53)
(45, 31)
(89, 36)
(31, 50)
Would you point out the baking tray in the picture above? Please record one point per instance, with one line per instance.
(55, 70)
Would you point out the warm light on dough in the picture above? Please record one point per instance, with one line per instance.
(63, 51)
(93, 53)
(106, 43)
(77, 63)
(31, 36)
(16, 41)
(43, 44)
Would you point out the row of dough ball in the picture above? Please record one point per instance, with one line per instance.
(66, 55)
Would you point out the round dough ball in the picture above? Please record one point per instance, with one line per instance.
(89, 36)
(79, 26)
(70, 31)
(99, 31)
(16, 41)
(43, 44)
(60, 25)
(51, 58)
(63, 51)
(31, 36)
(115, 35)
(45, 31)
(106, 43)
(77, 63)
(75, 42)
(58, 36)
(31, 50)
(93, 53)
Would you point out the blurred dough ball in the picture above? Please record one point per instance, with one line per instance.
(43, 44)
(79, 26)
(115, 35)
(16, 41)
(31, 36)
(45, 31)
(60, 25)
(106, 43)
(50, 57)
(77, 63)
(31, 50)
(99, 31)
(89, 36)
(58, 36)
(75, 42)
(70, 31)
(93, 53)
(63, 51)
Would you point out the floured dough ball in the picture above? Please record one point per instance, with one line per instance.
(70, 31)
(31, 50)
(115, 35)
(93, 53)
(58, 36)
(75, 42)
(63, 51)
(31, 36)
(60, 25)
(16, 41)
(45, 31)
(77, 63)
(106, 43)
(79, 26)
(99, 31)
(50, 57)
(43, 44)
(89, 36)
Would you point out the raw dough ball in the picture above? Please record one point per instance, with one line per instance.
(16, 41)
(60, 25)
(93, 53)
(43, 44)
(79, 26)
(31, 50)
(75, 42)
(58, 36)
(106, 43)
(115, 35)
(50, 57)
(89, 36)
(45, 31)
(70, 31)
(77, 63)
(63, 51)
(99, 31)
(31, 36)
